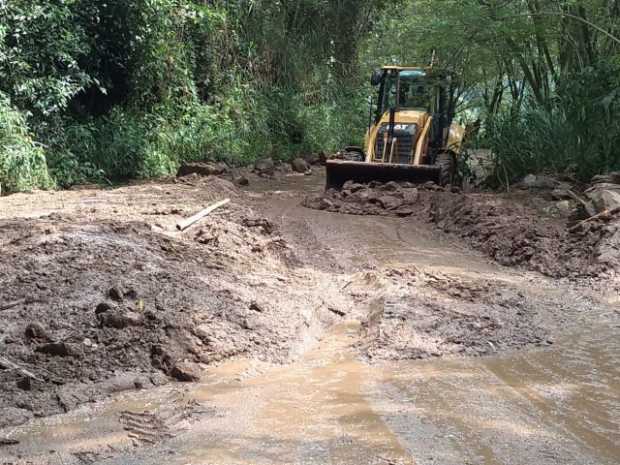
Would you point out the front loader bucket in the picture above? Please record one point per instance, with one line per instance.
(341, 171)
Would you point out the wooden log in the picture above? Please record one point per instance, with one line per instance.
(11, 305)
(588, 207)
(183, 225)
(8, 442)
(5, 362)
(602, 215)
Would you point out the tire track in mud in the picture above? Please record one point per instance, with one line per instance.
(173, 416)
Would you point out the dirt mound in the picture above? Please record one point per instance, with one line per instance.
(511, 230)
(215, 184)
(515, 234)
(93, 308)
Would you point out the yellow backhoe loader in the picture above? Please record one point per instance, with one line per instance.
(410, 136)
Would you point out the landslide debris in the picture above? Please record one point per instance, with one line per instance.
(512, 229)
(102, 306)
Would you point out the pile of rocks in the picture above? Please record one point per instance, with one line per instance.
(390, 199)
(604, 195)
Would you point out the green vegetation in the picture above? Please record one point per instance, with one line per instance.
(542, 76)
(93, 90)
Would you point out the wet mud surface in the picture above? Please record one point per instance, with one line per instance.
(311, 336)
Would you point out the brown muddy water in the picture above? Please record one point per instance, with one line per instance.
(554, 405)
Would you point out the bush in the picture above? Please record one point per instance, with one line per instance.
(22, 161)
(577, 133)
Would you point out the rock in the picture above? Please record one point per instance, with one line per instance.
(222, 166)
(120, 320)
(265, 167)
(25, 383)
(532, 181)
(284, 168)
(241, 180)
(186, 372)
(123, 383)
(391, 186)
(131, 294)
(201, 169)
(59, 349)
(300, 165)
(11, 416)
(404, 212)
(481, 166)
(265, 226)
(389, 202)
(361, 196)
(116, 293)
(431, 186)
(604, 196)
(102, 308)
(323, 157)
(36, 331)
(257, 307)
(202, 332)
(410, 196)
(352, 187)
(161, 358)
(326, 204)
(560, 194)
(564, 207)
(312, 158)
(610, 178)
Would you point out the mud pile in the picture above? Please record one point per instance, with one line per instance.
(424, 314)
(93, 308)
(510, 229)
(391, 199)
(515, 234)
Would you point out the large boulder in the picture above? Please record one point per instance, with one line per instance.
(186, 372)
(265, 167)
(300, 165)
(533, 181)
(202, 169)
(389, 202)
(312, 158)
(604, 196)
(610, 178)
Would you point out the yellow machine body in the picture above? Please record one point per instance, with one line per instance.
(410, 137)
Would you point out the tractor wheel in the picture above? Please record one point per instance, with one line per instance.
(447, 166)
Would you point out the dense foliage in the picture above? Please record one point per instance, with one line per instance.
(542, 76)
(93, 90)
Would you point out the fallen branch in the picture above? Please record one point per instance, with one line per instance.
(8, 442)
(607, 214)
(11, 305)
(586, 205)
(9, 364)
(183, 225)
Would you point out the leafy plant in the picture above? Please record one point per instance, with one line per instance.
(22, 161)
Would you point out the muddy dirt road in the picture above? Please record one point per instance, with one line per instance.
(380, 341)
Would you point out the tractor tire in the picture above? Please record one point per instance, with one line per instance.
(447, 168)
